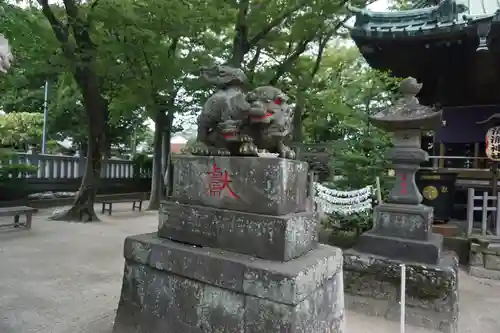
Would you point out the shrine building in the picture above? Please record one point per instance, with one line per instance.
(453, 48)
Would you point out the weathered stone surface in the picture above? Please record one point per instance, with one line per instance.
(175, 288)
(268, 237)
(397, 248)
(491, 261)
(405, 221)
(484, 261)
(285, 282)
(484, 273)
(272, 186)
(372, 286)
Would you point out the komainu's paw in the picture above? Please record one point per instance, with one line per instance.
(222, 152)
(245, 138)
(198, 148)
(288, 153)
(248, 149)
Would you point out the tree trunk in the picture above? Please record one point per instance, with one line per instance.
(82, 56)
(156, 177)
(165, 149)
(82, 209)
(297, 118)
(167, 153)
(96, 110)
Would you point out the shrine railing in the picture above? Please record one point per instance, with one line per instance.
(489, 221)
(71, 167)
(477, 163)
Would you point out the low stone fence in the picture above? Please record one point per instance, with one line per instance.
(485, 260)
(373, 287)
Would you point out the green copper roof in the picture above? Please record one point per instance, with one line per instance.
(426, 18)
(480, 7)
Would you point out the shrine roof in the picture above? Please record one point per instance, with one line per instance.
(426, 19)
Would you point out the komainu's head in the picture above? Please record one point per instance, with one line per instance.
(269, 105)
(221, 75)
(5, 54)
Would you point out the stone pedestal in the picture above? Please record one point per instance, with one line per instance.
(218, 264)
(264, 236)
(372, 286)
(403, 232)
(254, 185)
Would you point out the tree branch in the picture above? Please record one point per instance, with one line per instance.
(253, 63)
(170, 53)
(321, 49)
(289, 61)
(60, 30)
(94, 4)
(240, 41)
(274, 23)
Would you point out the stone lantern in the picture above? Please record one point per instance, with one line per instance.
(402, 234)
(402, 225)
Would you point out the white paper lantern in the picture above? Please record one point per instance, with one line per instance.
(493, 143)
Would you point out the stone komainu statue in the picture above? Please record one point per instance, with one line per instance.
(5, 54)
(222, 113)
(272, 125)
(235, 123)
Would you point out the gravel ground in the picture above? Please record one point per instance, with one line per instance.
(66, 277)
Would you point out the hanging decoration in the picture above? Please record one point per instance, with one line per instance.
(343, 202)
(493, 143)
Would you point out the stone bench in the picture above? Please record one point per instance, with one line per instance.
(16, 212)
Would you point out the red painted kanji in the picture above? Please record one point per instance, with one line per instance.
(219, 181)
(403, 185)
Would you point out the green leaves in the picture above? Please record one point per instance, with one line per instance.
(339, 101)
(21, 128)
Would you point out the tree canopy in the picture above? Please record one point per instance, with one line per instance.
(112, 65)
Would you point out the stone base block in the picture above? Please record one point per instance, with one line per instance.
(428, 252)
(484, 260)
(403, 221)
(272, 186)
(268, 237)
(373, 287)
(176, 288)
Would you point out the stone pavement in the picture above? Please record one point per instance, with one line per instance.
(66, 277)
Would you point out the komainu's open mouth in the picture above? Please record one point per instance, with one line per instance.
(229, 134)
(267, 115)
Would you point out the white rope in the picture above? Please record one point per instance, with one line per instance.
(344, 202)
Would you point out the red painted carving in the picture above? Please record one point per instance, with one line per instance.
(403, 185)
(219, 181)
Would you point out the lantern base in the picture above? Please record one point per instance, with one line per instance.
(402, 232)
(396, 248)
